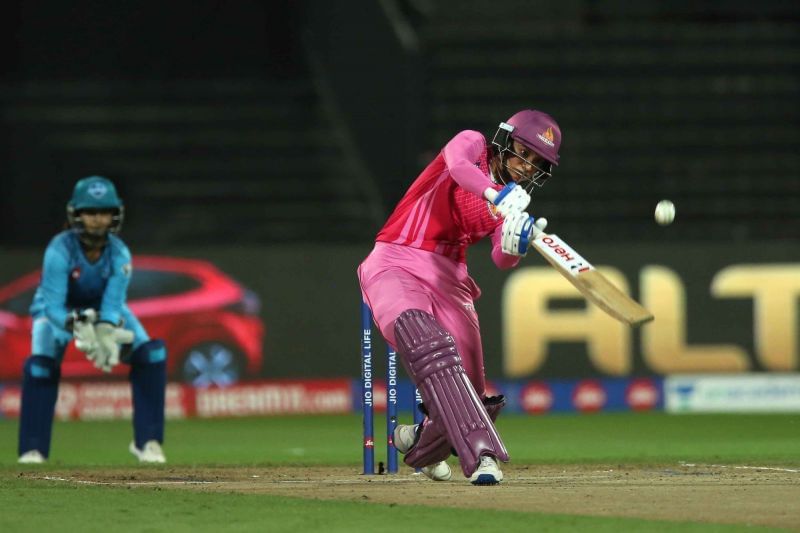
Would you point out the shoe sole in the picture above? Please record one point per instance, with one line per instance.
(485, 479)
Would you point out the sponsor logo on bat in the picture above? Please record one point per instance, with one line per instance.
(575, 262)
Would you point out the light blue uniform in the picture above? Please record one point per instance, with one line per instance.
(69, 281)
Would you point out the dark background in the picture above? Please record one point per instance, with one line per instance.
(261, 122)
(275, 137)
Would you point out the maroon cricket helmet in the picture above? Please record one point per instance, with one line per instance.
(538, 131)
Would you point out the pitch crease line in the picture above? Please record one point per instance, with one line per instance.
(743, 467)
(123, 483)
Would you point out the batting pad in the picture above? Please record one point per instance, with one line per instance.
(430, 357)
(433, 445)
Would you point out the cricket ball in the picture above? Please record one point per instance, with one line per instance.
(665, 212)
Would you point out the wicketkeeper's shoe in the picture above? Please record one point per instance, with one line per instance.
(31, 457)
(150, 453)
(404, 437)
(487, 473)
(438, 472)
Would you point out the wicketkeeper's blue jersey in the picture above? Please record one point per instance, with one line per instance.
(70, 281)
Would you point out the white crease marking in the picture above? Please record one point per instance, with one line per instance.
(89, 482)
(742, 467)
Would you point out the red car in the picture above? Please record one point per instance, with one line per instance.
(209, 322)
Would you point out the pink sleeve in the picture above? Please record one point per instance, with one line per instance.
(460, 155)
(503, 261)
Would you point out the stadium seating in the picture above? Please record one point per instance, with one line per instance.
(695, 103)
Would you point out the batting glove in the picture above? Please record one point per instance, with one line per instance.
(516, 233)
(518, 230)
(511, 199)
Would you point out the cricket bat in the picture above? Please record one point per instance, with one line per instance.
(591, 283)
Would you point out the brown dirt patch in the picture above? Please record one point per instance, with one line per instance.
(702, 493)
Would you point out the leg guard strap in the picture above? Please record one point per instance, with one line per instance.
(430, 357)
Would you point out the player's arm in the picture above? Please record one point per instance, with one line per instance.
(460, 155)
(108, 330)
(116, 291)
(502, 260)
(54, 285)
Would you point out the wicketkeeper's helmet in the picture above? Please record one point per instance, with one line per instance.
(97, 193)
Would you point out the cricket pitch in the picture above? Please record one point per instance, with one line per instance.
(727, 494)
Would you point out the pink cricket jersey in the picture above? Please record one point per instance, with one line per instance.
(419, 259)
(444, 210)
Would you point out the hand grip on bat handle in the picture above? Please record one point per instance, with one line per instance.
(538, 227)
(540, 223)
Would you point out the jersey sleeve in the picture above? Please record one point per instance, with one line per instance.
(116, 293)
(54, 284)
(460, 155)
(502, 260)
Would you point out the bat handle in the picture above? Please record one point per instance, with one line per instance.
(538, 227)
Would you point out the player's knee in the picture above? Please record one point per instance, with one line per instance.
(150, 353)
(42, 368)
(424, 344)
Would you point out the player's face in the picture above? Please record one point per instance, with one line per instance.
(96, 222)
(524, 164)
(526, 167)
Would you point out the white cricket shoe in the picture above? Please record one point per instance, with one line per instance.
(31, 457)
(150, 453)
(404, 437)
(487, 473)
(438, 472)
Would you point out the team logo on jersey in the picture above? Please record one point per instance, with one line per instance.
(126, 269)
(547, 137)
(492, 209)
(97, 190)
(76, 273)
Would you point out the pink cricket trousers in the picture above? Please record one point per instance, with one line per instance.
(395, 278)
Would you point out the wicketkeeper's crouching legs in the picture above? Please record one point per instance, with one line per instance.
(148, 377)
(429, 355)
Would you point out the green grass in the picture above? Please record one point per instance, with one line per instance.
(27, 505)
(327, 440)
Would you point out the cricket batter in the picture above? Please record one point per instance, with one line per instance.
(415, 281)
(83, 293)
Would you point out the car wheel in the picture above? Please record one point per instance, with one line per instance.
(212, 363)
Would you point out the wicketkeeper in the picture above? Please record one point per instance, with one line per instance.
(415, 281)
(82, 293)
